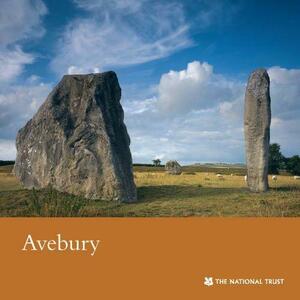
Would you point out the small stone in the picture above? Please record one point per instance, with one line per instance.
(173, 167)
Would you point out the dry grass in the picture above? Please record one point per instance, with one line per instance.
(190, 194)
(8, 182)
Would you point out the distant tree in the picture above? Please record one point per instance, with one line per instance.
(156, 162)
(6, 162)
(276, 159)
(293, 164)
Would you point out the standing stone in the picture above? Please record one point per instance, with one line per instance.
(173, 167)
(257, 119)
(77, 142)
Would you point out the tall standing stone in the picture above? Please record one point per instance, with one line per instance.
(257, 119)
(77, 142)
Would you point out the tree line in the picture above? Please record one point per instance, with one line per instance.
(278, 162)
(6, 162)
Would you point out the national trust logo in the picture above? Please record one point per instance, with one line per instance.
(208, 281)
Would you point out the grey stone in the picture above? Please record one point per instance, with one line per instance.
(173, 167)
(257, 119)
(77, 142)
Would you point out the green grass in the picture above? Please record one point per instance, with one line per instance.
(197, 192)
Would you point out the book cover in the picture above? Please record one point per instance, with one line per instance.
(149, 149)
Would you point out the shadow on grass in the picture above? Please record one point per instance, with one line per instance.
(285, 189)
(163, 200)
(153, 192)
(46, 203)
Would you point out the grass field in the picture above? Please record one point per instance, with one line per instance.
(196, 192)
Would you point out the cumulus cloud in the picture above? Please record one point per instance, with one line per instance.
(197, 116)
(200, 136)
(185, 119)
(196, 87)
(285, 101)
(285, 92)
(121, 33)
(192, 115)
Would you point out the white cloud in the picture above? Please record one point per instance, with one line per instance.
(192, 137)
(194, 125)
(19, 22)
(197, 115)
(285, 92)
(17, 106)
(121, 34)
(184, 120)
(125, 6)
(12, 63)
(138, 107)
(197, 87)
(285, 101)
(280, 75)
(7, 149)
(286, 133)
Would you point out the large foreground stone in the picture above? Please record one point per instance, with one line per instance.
(257, 119)
(77, 141)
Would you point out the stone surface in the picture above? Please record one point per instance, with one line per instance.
(257, 119)
(77, 142)
(173, 167)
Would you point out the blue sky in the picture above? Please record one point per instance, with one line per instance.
(182, 66)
